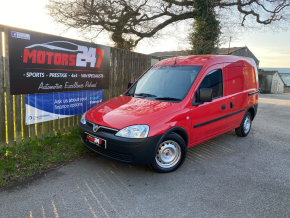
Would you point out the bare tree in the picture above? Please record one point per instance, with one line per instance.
(129, 21)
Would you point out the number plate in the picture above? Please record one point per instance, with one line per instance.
(97, 141)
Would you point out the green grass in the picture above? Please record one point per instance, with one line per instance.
(29, 158)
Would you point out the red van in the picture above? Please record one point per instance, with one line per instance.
(177, 103)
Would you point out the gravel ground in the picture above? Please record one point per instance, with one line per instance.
(227, 176)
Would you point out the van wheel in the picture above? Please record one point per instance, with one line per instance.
(170, 154)
(245, 126)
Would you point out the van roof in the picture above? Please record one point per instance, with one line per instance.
(203, 60)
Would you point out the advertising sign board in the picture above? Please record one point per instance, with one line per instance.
(42, 63)
(51, 106)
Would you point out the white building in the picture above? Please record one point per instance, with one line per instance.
(271, 82)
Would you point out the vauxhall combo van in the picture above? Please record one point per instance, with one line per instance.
(177, 103)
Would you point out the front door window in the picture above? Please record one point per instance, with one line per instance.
(214, 80)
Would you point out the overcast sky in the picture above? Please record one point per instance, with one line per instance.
(273, 50)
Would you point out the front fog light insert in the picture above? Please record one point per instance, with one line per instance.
(83, 120)
(136, 131)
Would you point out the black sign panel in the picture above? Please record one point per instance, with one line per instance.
(42, 63)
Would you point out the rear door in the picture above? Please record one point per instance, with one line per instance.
(208, 119)
(238, 83)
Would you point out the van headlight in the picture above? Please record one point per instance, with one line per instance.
(136, 131)
(83, 120)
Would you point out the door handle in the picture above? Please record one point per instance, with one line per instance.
(223, 106)
(232, 104)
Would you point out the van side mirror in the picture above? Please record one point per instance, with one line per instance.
(202, 95)
(205, 95)
(129, 85)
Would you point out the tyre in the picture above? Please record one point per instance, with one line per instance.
(170, 154)
(245, 126)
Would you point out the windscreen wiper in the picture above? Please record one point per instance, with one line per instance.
(145, 95)
(168, 98)
(129, 94)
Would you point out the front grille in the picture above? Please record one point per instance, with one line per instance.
(89, 124)
(102, 128)
(107, 130)
(109, 153)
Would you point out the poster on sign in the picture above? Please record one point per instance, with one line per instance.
(52, 106)
(42, 63)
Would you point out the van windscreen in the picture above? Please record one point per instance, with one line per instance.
(170, 83)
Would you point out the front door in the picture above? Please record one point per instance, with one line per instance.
(209, 118)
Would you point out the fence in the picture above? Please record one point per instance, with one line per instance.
(125, 67)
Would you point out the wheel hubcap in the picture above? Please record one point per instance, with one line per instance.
(168, 154)
(247, 124)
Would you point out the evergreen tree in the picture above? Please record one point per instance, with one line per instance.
(206, 29)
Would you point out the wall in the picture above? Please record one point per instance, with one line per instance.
(287, 89)
(277, 84)
(154, 61)
(265, 82)
(125, 67)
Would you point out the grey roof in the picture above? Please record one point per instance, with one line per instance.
(229, 50)
(169, 54)
(284, 73)
(267, 72)
(236, 51)
(264, 72)
(280, 70)
(286, 78)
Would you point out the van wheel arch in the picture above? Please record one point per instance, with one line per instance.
(251, 109)
(245, 126)
(177, 130)
(174, 137)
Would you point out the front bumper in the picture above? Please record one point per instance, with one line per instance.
(127, 150)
